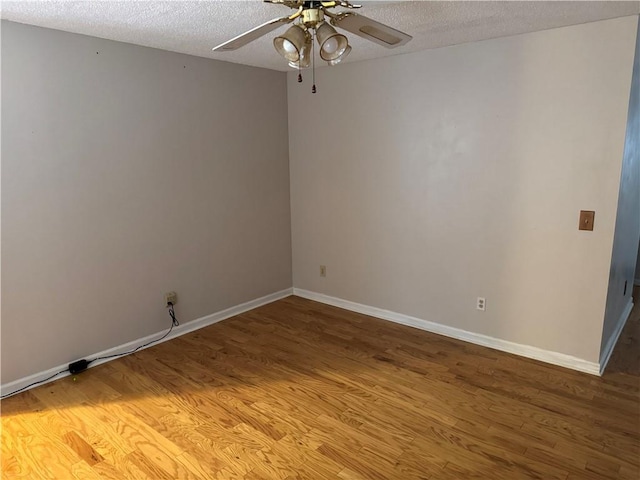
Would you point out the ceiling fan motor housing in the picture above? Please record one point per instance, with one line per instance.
(312, 17)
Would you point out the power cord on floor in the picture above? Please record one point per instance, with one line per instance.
(82, 365)
(35, 383)
(174, 323)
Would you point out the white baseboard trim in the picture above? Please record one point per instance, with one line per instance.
(528, 351)
(613, 339)
(176, 332)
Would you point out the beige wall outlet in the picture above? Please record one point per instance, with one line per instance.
(171, 297)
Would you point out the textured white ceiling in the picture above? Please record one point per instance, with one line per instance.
(194, 27)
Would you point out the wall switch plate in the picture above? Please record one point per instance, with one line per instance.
(323, 271)
(586, 220)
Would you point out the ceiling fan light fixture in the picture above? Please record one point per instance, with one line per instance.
(297, 44)
(344, 55)
(332, 44)
(291, 43)
(304, 60)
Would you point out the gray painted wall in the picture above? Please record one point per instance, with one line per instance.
(637, 282)
(437, 177)
(441, 176)
(627, 233)
(128, 172)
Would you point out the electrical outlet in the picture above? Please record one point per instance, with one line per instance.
(323, 271)
(481, 304)
(171, 297)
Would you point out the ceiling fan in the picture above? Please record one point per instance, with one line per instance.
(315, 19)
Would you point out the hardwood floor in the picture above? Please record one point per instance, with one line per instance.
(297, 389)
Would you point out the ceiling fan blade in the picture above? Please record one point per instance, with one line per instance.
(370, 29)
(251, 35)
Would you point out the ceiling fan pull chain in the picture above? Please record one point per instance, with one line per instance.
(313, 62)
(315, 17)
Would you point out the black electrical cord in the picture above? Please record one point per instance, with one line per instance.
(174, 323)
(34, 383)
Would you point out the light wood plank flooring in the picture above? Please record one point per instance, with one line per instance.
(296, 389)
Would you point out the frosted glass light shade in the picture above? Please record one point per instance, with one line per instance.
(332, 44)
(346, 52)
(304, 60)
(290, 44)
